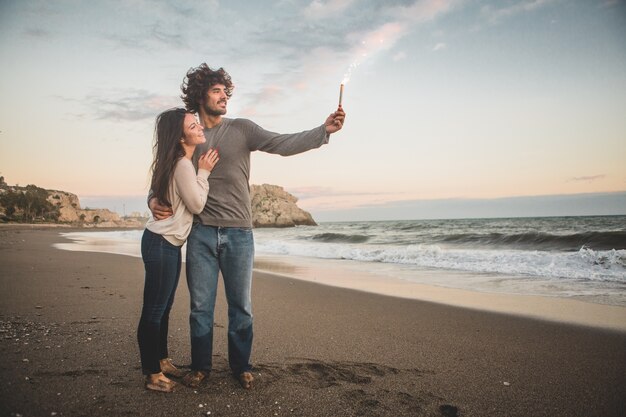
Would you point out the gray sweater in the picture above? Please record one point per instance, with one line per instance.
(228, 203)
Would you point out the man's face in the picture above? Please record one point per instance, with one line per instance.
(215, 100)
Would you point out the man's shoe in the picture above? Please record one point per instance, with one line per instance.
(194, 378)
(168, 368)
(245, 379)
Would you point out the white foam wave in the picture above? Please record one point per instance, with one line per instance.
(586, 264)
(597, 276)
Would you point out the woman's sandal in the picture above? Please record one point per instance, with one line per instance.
(168, 368)
(160, 385)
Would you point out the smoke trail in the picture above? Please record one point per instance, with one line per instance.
(348, 74)
(371, 43)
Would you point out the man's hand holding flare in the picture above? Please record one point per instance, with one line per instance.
(335, 121)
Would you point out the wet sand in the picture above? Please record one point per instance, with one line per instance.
(67, 337)
(357, 276)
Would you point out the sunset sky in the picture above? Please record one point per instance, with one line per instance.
(448, 100)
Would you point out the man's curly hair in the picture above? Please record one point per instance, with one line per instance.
(198, 81)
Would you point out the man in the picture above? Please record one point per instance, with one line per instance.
(221, 238)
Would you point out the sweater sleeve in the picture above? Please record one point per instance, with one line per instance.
(193, 188)
(260, 139)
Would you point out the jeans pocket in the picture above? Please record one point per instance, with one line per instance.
(154, 247)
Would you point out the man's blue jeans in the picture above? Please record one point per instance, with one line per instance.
(162, 262)
(229, 250)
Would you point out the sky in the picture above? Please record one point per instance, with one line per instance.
(451, 104)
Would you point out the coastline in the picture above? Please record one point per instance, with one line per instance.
(350, 275)
(71, 227)
(492, 293)
(69, 347)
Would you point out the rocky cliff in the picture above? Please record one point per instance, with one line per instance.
(71, 212)
(272, 206)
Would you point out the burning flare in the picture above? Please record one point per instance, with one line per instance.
(340, 94)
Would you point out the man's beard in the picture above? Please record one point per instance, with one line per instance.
(213, 112)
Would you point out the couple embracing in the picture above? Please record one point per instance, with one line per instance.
(200, 194)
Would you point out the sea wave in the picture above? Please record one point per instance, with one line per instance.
(584, 264)
(570, 257)
(339, 237)
(542, 241)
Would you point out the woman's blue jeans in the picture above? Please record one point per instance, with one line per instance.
(229, 250)
(162, 262)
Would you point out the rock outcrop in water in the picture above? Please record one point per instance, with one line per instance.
(272, 206)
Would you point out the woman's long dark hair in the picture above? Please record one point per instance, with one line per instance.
(167, 149)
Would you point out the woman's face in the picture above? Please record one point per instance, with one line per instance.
(193, 133)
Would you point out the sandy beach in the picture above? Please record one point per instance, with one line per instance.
(68, 341)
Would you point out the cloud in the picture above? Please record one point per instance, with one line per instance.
(315, 192)
(363, 34)
(158, 32)
(440, 46)
(399, 56)
(495, 15)
(525, 206)
(295, 54)
(268, 92)
(327, 198)
(126, 105)
(422, 11)
(298, 54)
(158, 25)
(611, 3)
(589, 178)
(152, 38)
(324, 9)
(39, 33)
(385, 36)
(292, 40)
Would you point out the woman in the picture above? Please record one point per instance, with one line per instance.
(176, 183)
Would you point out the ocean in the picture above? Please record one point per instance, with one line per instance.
(573, 257)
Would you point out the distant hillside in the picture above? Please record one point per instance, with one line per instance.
(272, 206)
(32, 204)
